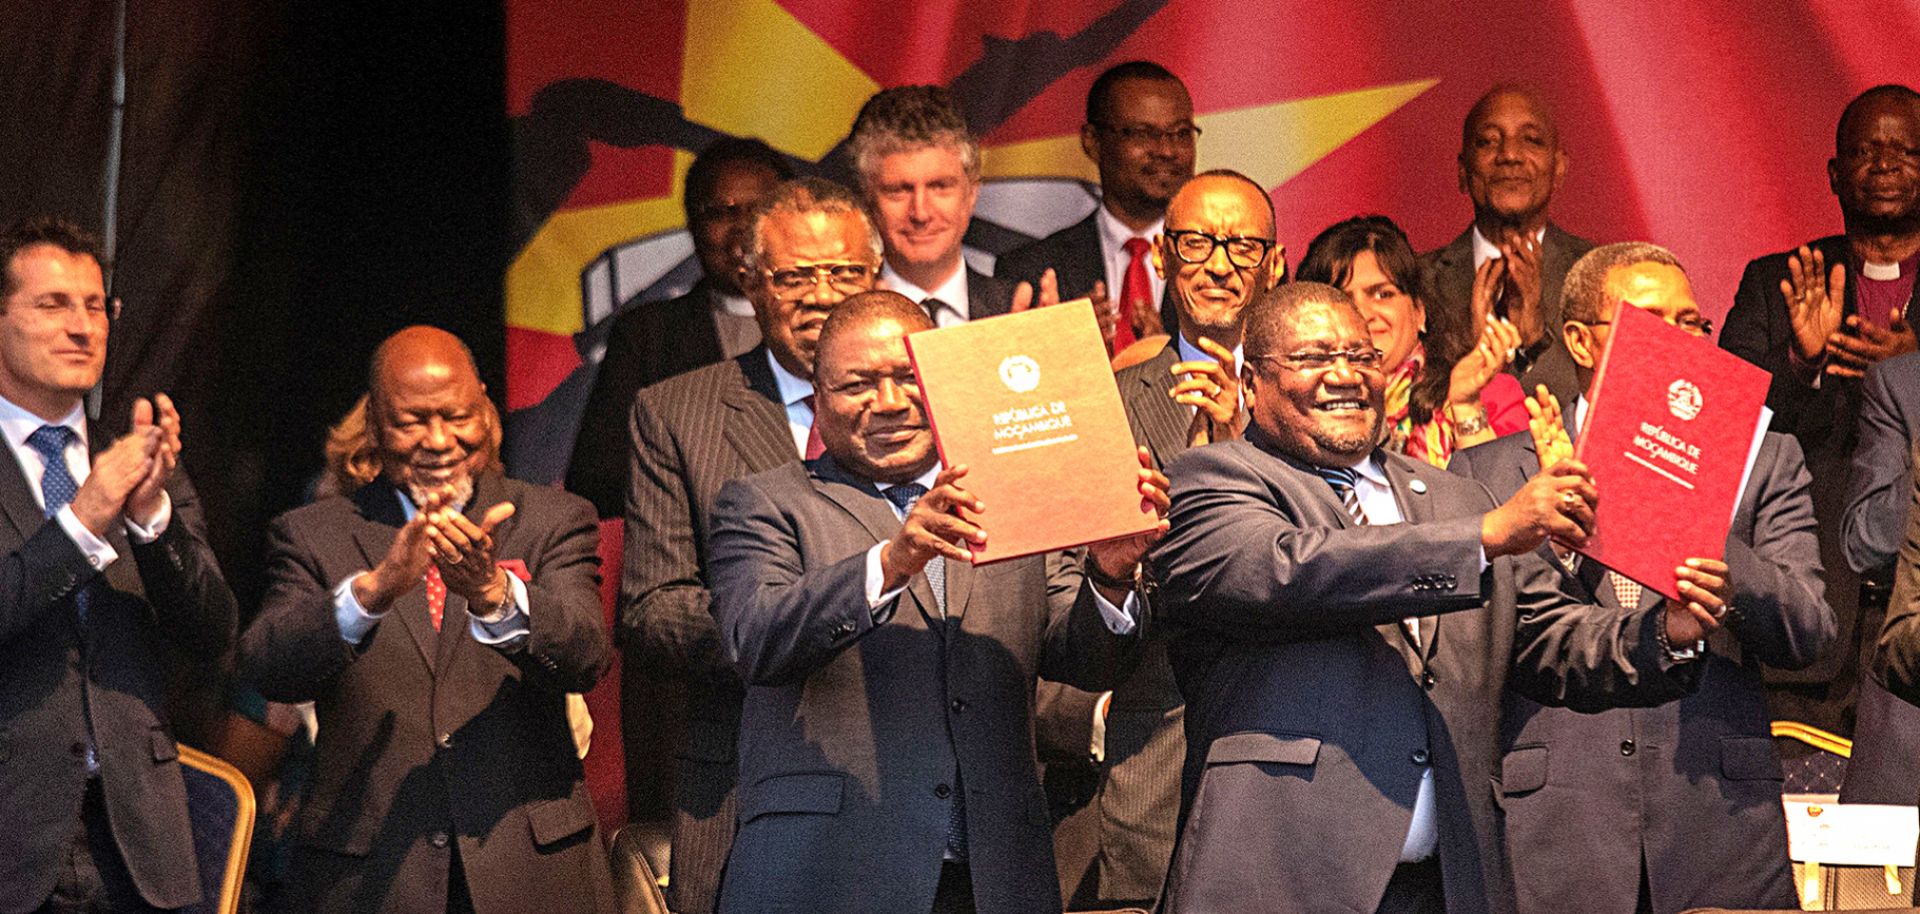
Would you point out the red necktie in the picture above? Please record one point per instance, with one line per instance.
(436, 596)
(815, 447)
(1136, 293)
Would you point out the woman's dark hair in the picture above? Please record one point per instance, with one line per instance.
(1448, 335)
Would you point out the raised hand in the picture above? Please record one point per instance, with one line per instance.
(1549, 430)
(1117, 558)
(463, 550)
(147, 498)
(1706, 591)
(1487, 359)
(1851, 354)
(1557, 504)
(933, 528)
(1522, 254)
(1815, 300)
(400, 569)
(1212, 388)
(1488, 282)
(116, 472)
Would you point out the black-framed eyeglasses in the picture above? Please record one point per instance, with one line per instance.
(1197, 247)
(794, 282)
(1147, 134)
(1693, 323)
(1310, 361)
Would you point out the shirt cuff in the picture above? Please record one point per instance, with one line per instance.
(1119, 619)
(99, 552)
(508, 624)
(880, 604)
(147, 533)
(354, 620)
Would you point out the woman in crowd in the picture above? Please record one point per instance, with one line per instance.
(1446, 384)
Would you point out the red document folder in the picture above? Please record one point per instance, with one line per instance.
(1028, 403)
(1671, 423)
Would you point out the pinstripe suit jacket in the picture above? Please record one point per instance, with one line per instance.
(1137, 798)
(691, 434)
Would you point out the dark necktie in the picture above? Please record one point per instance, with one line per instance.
(1344, 481)
(815, 447)
(904, 496)
(57, 489)
(933, 306)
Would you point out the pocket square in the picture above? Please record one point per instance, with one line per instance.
(517, 568)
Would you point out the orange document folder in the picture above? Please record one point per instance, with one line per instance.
(1027, 402)
(1672, 427)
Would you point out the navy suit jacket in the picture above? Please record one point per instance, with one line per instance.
(1073, 253)
(56, 673)
(1311, 718)
(855, 729)
(1690, 789)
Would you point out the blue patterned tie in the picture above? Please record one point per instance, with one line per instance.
(57, 489)
(1344, 481)
(904, 496)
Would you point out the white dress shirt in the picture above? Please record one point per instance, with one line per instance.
(1484, 250)
(505, 627)
(952, 293)
(1113, 254)
(16, 423)
(793, 395)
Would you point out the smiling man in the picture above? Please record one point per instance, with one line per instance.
(1340, 619)
(1510, 165)
(919, 169)
(886, 755)
(437, 617)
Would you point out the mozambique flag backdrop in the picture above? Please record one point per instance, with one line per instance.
(1703, 125)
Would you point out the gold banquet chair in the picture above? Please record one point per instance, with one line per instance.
(220, 807)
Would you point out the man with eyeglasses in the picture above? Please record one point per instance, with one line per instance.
(1216, 254)
(1818, 318)
(1141, 137)
(808, 246)
(652, 341)
(1510, 165)
(107, 568)
(1343, 621)
(1675, 806)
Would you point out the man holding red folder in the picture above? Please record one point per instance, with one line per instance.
(1675, 806)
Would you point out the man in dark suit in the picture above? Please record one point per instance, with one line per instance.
(887, 759)
(95, 807)
(1511, 164)
(809, 246)
(1676, 806)
(651, 342)
(1816, 318)
(1140, 135)
(1117, 833)
(919, 169)
(1344, 625)
(437, 617)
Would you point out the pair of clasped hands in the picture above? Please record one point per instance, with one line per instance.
(449, 540)
(130, 477)
(1557, 505)
(1847, 345)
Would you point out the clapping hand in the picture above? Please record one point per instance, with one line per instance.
(1815, 300)
(463, 551)
(1853, 353)
(1549, 430)
(1488, 358)
(150, 495)
(1522, 255)
(1212, 388)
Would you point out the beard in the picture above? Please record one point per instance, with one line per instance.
(456, 492)
(1348, 444)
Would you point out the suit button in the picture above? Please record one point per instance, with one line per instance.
(845, 629)
(1419, 756)
(446, 741)
(1426, 679)
(439, 839)
(959, 704)
(78, 749)
(1627, 748)
(942, 791)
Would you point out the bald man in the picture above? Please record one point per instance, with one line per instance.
(437, 615)
(1510, 165)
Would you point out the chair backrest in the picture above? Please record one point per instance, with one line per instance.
(220, 806)
(1812, 760)
(635, 887)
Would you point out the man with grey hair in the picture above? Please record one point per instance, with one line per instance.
(919, 168)
(810, 245)
(1635, 784)
(1342, 621)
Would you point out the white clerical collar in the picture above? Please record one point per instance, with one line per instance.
(16, 422)
(1191, 352)
(1883, 272)
(952, 292)
(792, 389)
(1484, 250)
(736, 305)
(1115, 234)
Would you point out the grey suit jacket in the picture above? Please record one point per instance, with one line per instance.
(1449, 274)
(1311, 718)
(428, 739)
(856, 728)
(57, 672)
(692, 434)
(1631, 786)
(1881, 480)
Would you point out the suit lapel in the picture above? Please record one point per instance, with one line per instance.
(1085, 265)
(986, 296)
(1163, 423)
(756, 419)
(860, 499)
(1455, 275)
(381, 518)
(17, 500)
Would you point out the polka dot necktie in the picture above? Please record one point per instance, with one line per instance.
(57, 486)
(436, 595)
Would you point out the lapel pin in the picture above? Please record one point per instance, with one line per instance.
(1419, 486)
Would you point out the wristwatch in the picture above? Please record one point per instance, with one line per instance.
(1693, 651)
